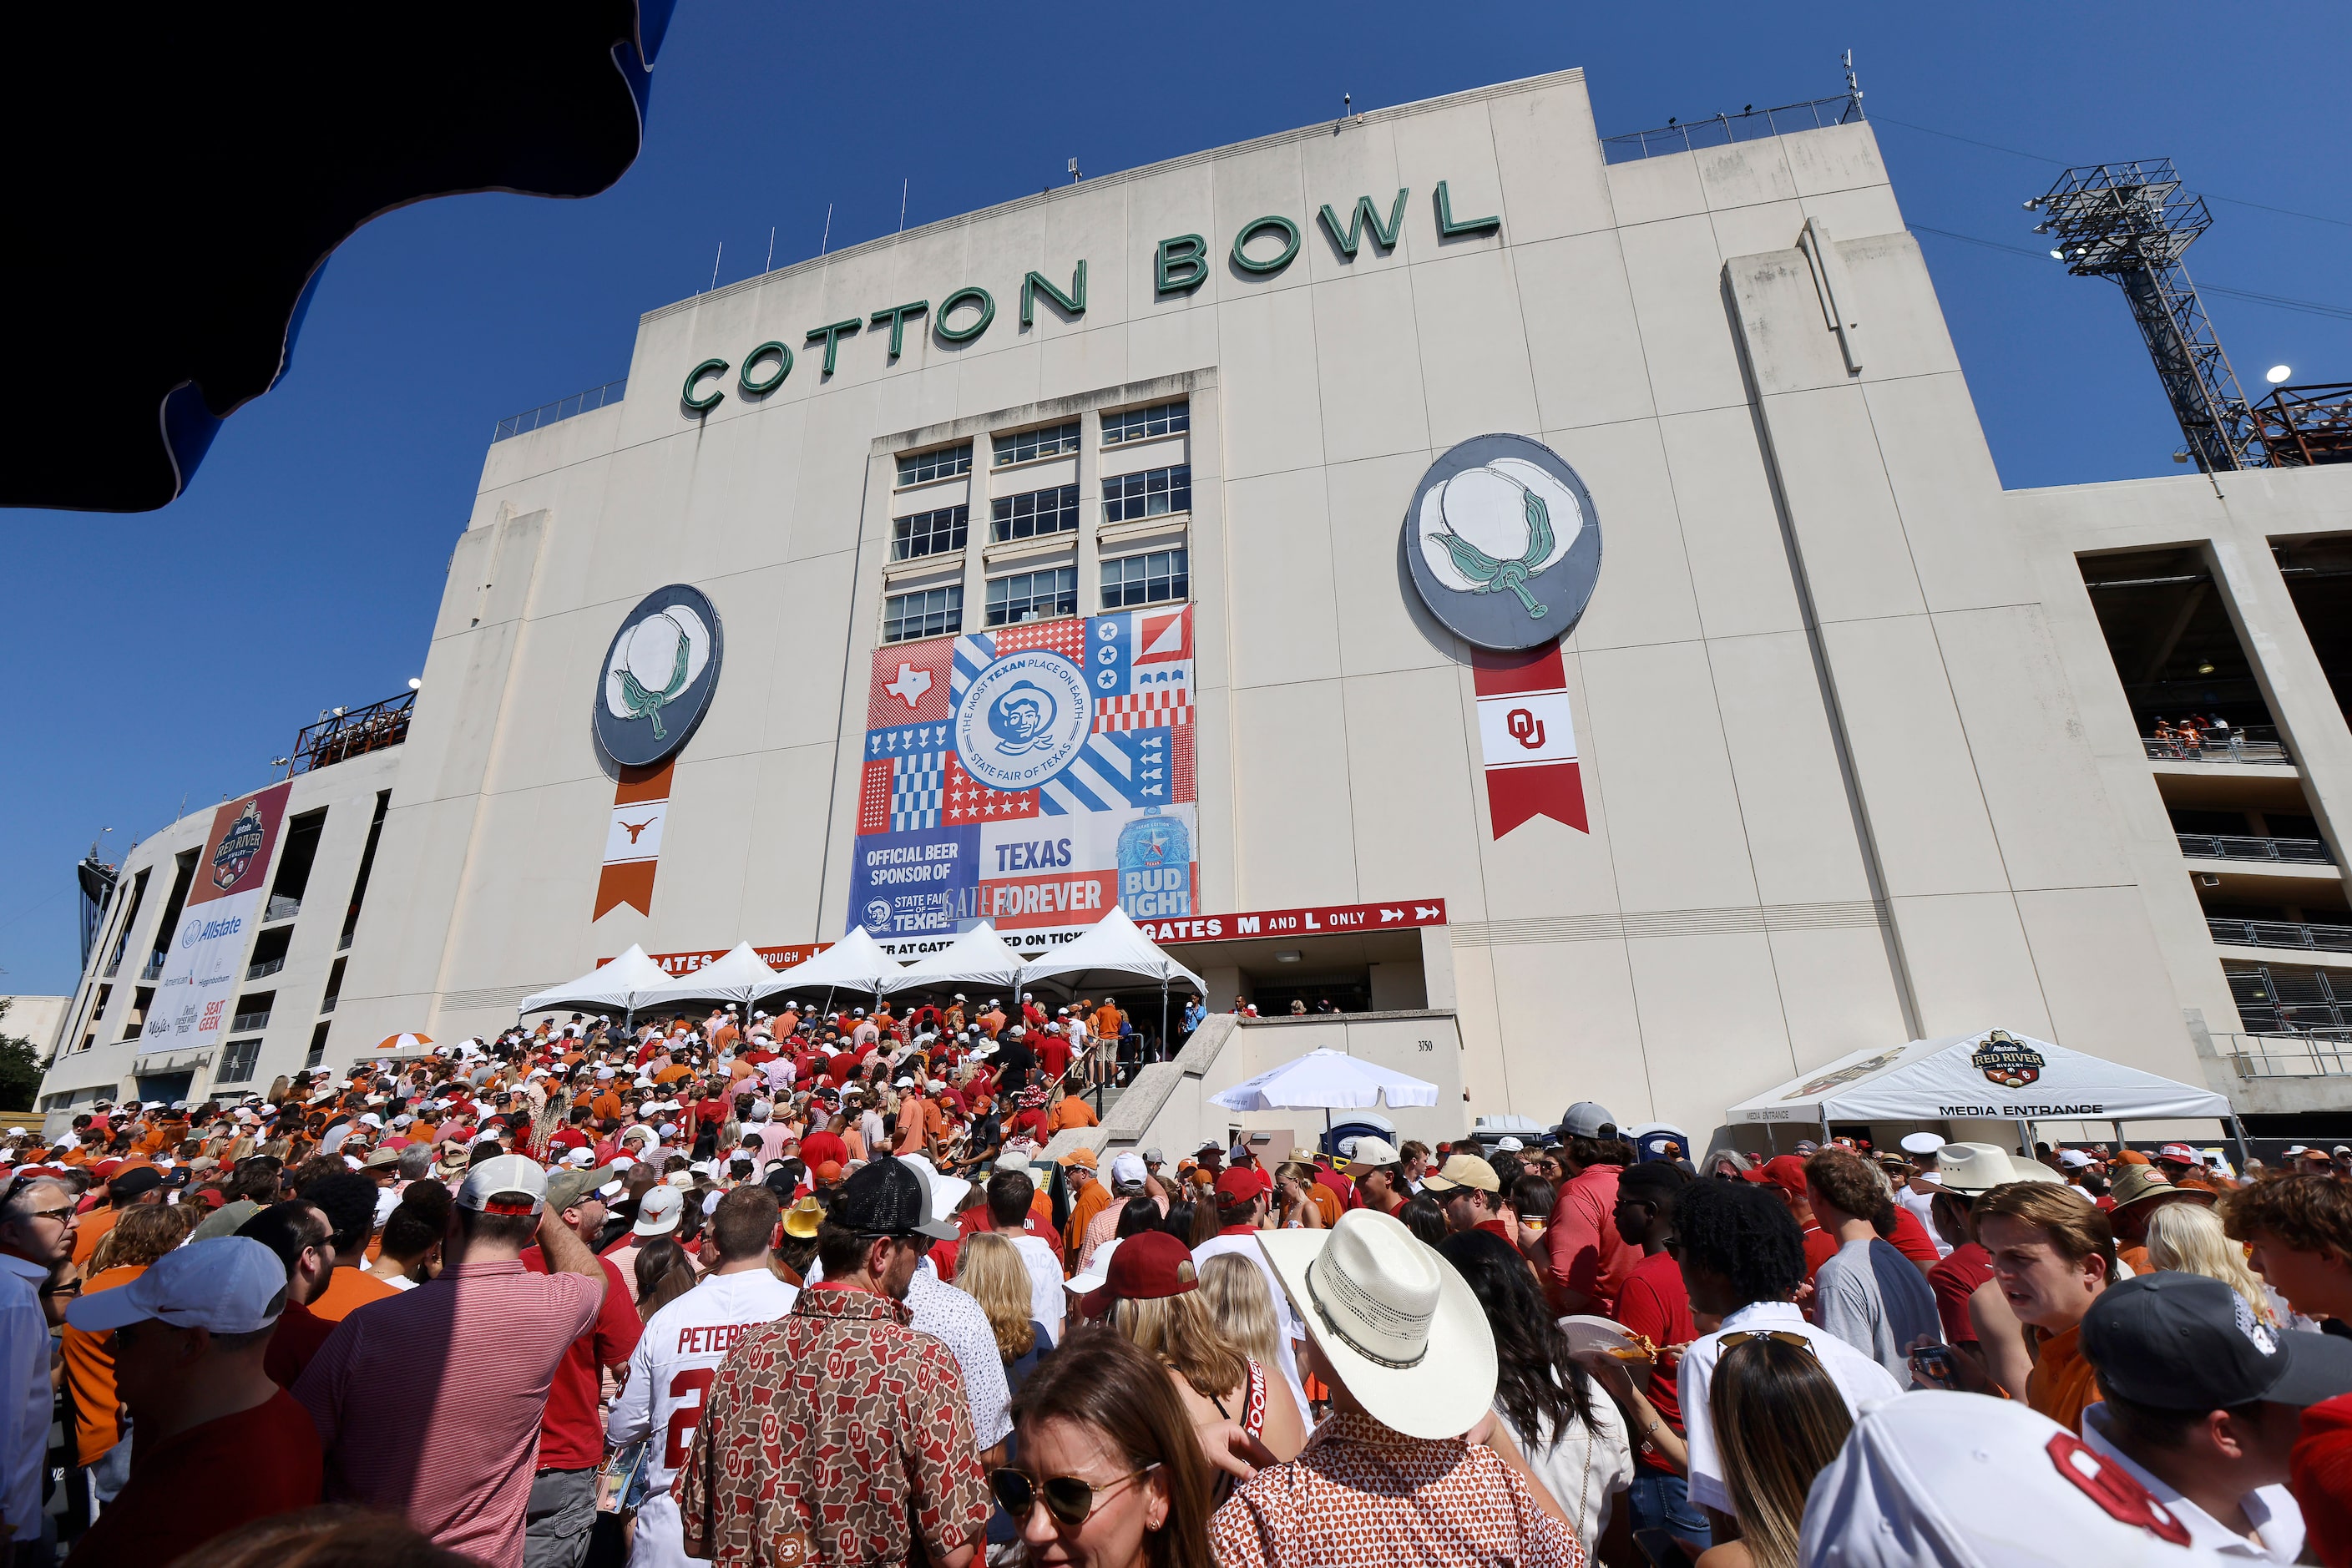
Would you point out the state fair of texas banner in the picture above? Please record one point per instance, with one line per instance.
(205, 959)
(1031, 776)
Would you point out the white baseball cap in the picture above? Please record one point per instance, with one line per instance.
(504, 1178)
(1369, 1151)
(1908, 1490)
(229, 1284)
(1125, 1169)
(580, 1159)
(1097, 1273)
(659, 1211)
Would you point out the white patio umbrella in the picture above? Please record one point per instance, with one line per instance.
(978, 957)
(616, 983)
(737, 977)
(1113, 949)
(1326, 1080)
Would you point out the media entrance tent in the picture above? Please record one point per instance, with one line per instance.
(736, 977)
(620, 982)
(855, 963)
(1114, 949)
(1991, 1076)
(979, 957)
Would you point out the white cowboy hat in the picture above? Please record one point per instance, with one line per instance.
(1972, 1169)
(1399, 1325)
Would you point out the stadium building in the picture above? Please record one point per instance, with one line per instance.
(1551, 598)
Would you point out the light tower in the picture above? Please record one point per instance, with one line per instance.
(2132, 222)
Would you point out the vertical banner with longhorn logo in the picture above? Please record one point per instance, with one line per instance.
(632, 842)
(193, 994)
(1528, 737)
(657, 682)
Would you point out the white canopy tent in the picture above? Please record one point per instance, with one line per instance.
(979, 957)
(1326, 1080)
(1993, 1074)
(855, 963)
(1114, 949)
(737, 977)
(617, 983)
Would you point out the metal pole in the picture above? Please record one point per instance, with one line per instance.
(1162, 1052)
(2024, 1138)
(2238, 1131)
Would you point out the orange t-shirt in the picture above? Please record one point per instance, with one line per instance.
(673, 1072)
(89, 1372)
(349, 1289)
(91, 1230)
(2062, 1383)
(1106, 1023)
(1071, 1112)
(605, 1107)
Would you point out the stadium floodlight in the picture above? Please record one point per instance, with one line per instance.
(2277, 373)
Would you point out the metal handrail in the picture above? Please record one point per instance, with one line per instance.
(2246, 847)
(349, 733)
(262, 967)
(2249, 745)
(281, 908)
(561, 408)
(2317, 1053)
(155, 970)
(1751, 124)
(2282, 933)
(244, 1021)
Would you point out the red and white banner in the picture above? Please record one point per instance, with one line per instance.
(1528, 737)
(776, 958)
(633, 840)
(1321, 919)
(205, 962)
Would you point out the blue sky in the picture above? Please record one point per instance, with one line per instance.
(167, 656)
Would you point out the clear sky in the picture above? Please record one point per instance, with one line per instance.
(166, 657)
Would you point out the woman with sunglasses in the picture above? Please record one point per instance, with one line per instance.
(1781, 1419)
(1110, 1474)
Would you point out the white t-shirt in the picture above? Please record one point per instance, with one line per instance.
(1585, 1469)
(1046, 1300)
(1858, 1377)
(676, 1356)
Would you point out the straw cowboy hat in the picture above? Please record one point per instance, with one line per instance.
(1394, 1319)
(1973, 1169)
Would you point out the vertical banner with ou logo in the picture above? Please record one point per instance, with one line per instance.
(206, 954)
(1528, 737)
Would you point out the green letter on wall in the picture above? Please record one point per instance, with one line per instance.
(1279, 259)
(897, 316)
(832, 335)
(708, 367)
(1365, 216)
(1182, 264)
(1446, 226)
(766, 384)
(963, 297)
(1073, 303)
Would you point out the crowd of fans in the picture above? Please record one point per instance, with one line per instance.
(809, 1289)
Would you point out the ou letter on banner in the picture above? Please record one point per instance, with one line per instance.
(1528, 737)
(633, 840)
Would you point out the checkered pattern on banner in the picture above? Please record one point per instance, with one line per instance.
(1179, 745)
(909, 684)
(916, 790)
(1066, 635)
(1143, 711)
(969, 801)
(873, 796)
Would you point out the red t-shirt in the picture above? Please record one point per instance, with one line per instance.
(571, 1434)
(570, 1138)
(1587, 1254)
(820, 1146)
(207, 1481)
(1910, 1240)
(1055, 1054)
(299, 1335)
(1954, 1280)
(1655, 1303)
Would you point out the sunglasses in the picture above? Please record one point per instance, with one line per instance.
(1069, 1500)
(1739, 1337)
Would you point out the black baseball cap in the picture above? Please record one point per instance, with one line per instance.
(2182, 1341)
(136, 1182)
(888, 1197)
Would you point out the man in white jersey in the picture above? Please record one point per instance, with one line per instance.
(681, 1350)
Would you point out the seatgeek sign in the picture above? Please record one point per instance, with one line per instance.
(1262, 248)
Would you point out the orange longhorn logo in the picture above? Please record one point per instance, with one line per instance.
(636, 827)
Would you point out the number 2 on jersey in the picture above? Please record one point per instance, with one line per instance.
(693, 1382)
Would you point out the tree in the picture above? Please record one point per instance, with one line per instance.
(20, 1066)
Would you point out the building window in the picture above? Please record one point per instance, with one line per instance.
(1142, 424)
(1028, 446)
(1037, 513)
(1151, 579)
(1151, 494)
(238, 1058)
(928, 533)
(1033, 595)
(925, 613)
(944, 463)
